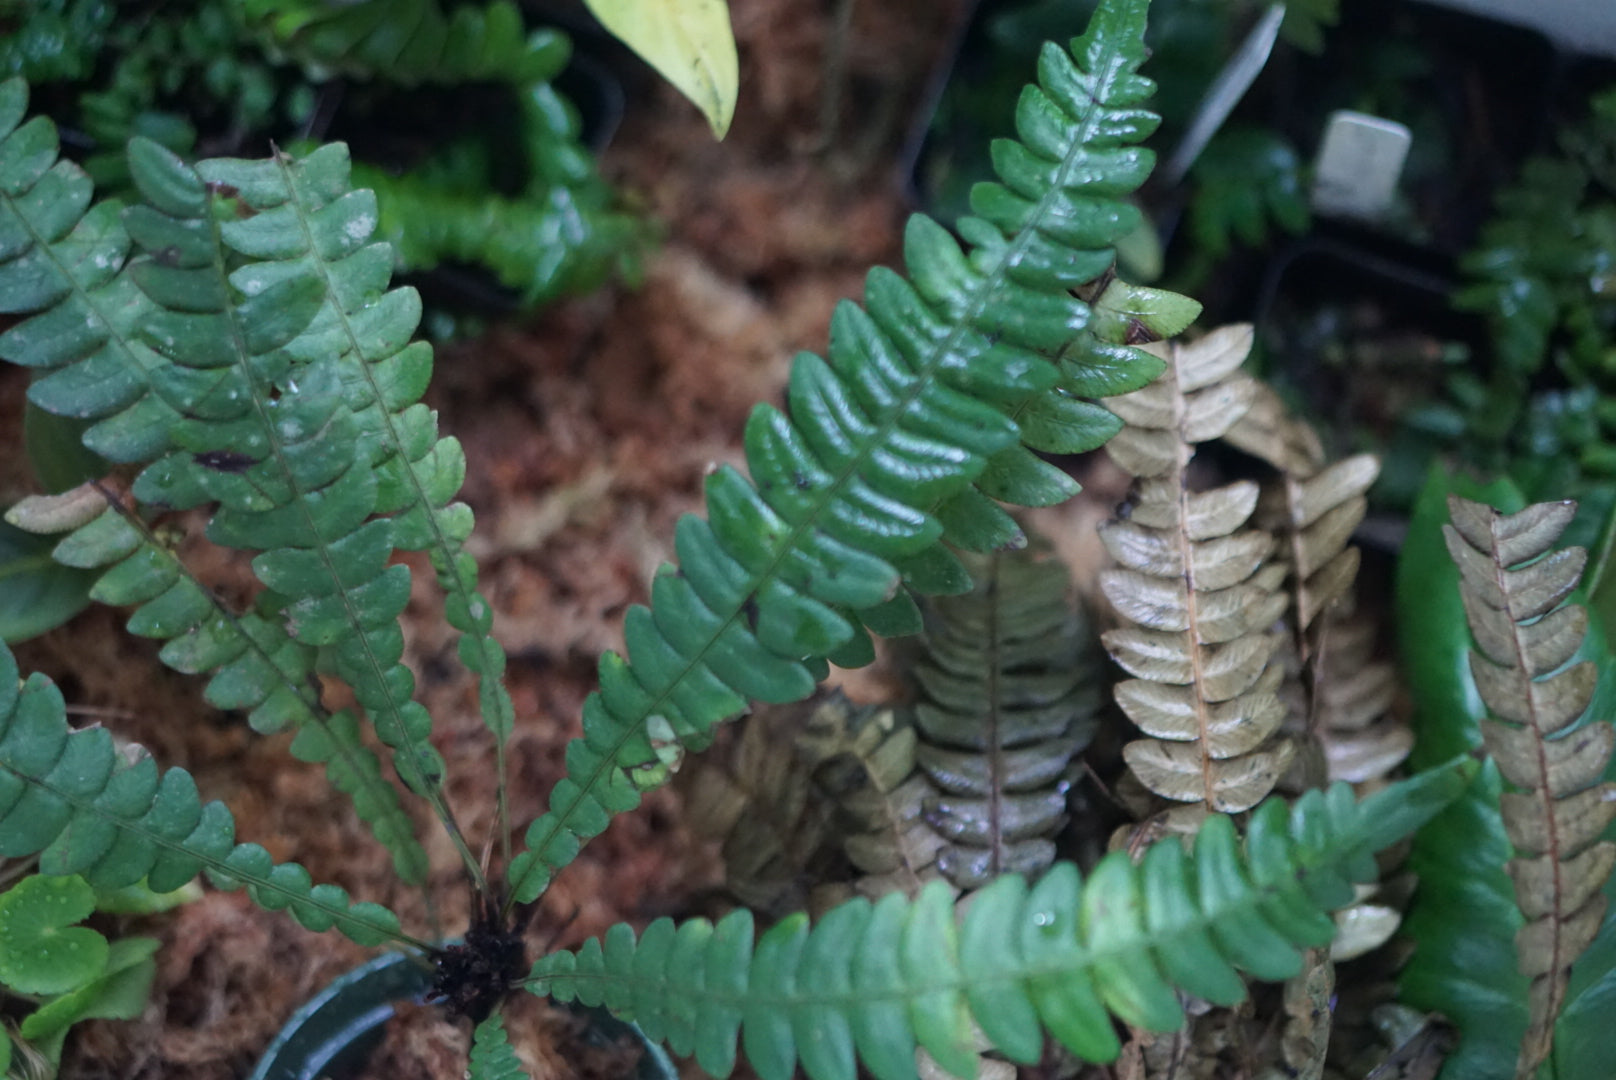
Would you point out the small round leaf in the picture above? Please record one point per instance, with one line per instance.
(41, 951)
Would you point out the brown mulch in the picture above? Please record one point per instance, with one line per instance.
(587, 433)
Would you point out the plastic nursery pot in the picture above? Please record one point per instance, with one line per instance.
(334, 1034)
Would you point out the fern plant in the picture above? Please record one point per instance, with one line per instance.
(1202, 592)
(235, 346)
(1513, 588)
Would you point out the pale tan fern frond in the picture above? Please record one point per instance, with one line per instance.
(1353, 696)
(1195, 581)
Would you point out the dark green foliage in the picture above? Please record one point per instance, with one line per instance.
(224, 75)
(1009, 695)
(897, 446)
(872, 982)
(1540, 411)
(1540, 279)
(36, 592)
(1246, 180)
(88, 810)
(177, 72)
(411, 41)
(52, 39)
(1306, 21)
(561, 233)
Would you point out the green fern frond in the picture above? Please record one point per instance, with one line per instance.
(291, 367)
(263, 363)
(412, 41)
(926, 412)
(871, 983)
(73, 798)
(65, 265)
(491, 1055)
(253, 665)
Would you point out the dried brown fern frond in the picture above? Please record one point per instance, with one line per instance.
(1268, 430)
(1353, 694)
(1195, 582)
(1321, 510)
(1009, 693)
(1515, 587)
(754, 795)
(862, 761)
(1312, 507)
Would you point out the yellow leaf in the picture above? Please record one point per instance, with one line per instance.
(688, 41)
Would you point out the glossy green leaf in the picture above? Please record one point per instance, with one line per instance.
(690, 44)
(42, 951)
(119, 992)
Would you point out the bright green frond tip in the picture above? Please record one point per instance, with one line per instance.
(871, 983)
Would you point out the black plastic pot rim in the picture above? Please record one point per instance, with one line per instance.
(343, 1024)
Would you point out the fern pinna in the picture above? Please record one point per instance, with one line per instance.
(928, 408)
(253, 356)
(877, 981)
